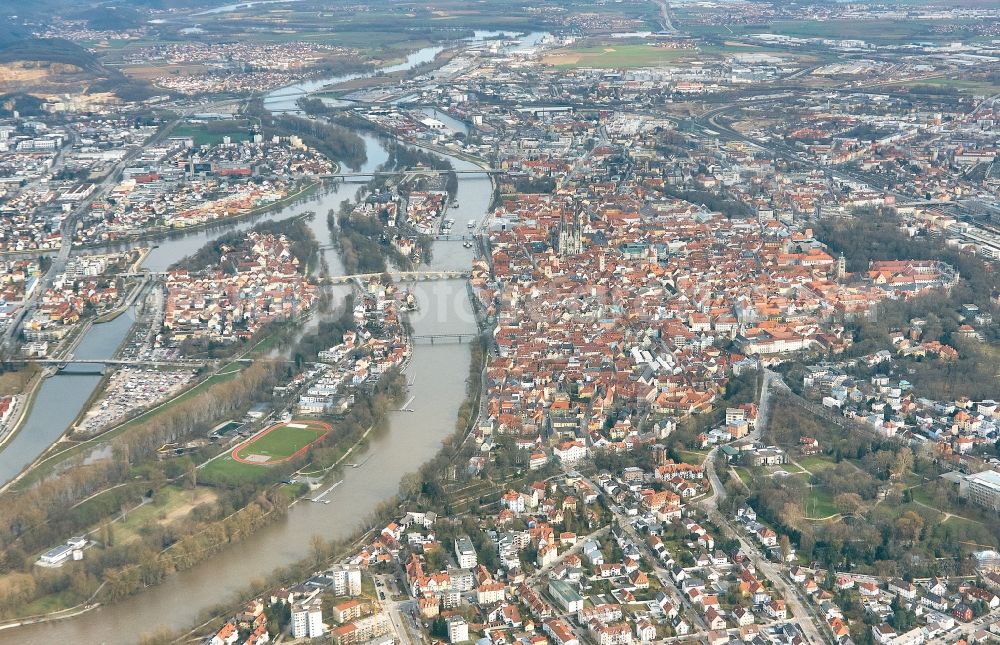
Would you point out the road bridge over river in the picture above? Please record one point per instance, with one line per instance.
(412, 172)
(124, 362)
(401, 276)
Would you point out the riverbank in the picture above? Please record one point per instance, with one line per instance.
(130, 297)
(62, 614)
(411, 438)
(392, 507)
(49, 460)
(157, 233)
(207, 540)
(77, 336)
(285, 577)
(24, 405)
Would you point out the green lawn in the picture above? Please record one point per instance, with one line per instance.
(818, 504)
(227, 471)
(815, 463)
(694, 457)
(984, 88)
(210, 134)
(920, 494)
(278, 444)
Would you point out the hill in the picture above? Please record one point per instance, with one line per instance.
(49, 50)
(24, 104)
(110, 18)
(47, 66)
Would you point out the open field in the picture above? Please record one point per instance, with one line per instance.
(815, 463)
(789, 468)
(924, 497)
(818, 504)
(150, 71)
(212, 133)
(376, 28)
(281, 442)
(880, 30)
(984, 88)
(169, 504)
(249, 461)
(694, 457)
(617, 55)
(15, 382)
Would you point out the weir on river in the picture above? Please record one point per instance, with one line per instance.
(437, 375)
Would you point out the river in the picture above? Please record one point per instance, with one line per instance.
(228, 8)
(437, 374)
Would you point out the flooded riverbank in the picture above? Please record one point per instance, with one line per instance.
(437, 374)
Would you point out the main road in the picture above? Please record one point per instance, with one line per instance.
(661, 573)
(68, 227)
(806, 618)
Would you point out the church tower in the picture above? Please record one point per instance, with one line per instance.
(571, 235)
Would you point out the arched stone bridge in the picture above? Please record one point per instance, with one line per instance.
(401, 276)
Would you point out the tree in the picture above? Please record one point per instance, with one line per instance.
(410, 485)
(791, 513)
(319, 548)
(847, 503)
(786, 547)
(908, 526)
(902, 464)
(439, 628)
(107, 535)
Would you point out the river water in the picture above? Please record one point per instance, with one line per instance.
(437, 374)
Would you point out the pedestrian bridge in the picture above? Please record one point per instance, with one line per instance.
(402, 276)
(442, 339)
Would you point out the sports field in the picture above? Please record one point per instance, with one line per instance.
(281, 442)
